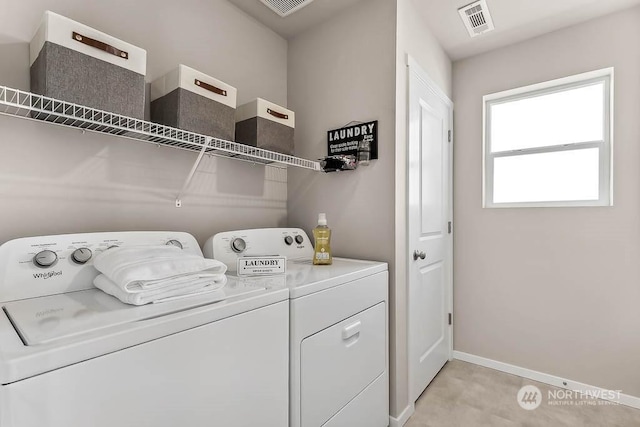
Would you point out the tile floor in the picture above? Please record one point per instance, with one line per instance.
(467, 395)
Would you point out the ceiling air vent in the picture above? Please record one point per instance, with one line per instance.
(285, 7)
(476, 18)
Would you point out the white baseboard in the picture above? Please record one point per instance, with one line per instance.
(624, 399)
(403, 417)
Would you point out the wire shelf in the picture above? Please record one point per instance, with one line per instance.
(14, 102)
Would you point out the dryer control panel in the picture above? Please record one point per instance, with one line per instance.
(228, 246)
(46, 265)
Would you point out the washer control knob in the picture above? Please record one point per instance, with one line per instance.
(288, 240)
(175, 243)
(45, 258)
(81, 256)
(238, 245)
(299, 239)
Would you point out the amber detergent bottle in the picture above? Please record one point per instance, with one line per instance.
(322, 239)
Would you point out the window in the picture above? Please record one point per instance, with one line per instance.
(550, 144)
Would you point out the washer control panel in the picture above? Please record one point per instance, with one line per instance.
(38, 266)
(228, 246)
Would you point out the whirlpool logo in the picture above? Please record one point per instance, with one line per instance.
(49, 312)
(47, 275)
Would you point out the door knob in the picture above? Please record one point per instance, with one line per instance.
(419, 254)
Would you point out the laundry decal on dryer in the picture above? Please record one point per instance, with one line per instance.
(261, 265)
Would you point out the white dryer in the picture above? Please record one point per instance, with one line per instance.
(71, 355)
(338, 328)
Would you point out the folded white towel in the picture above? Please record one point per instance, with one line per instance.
(143, 274)
(185, 286)
(151, 263)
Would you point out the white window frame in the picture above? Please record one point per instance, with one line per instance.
(605, 146)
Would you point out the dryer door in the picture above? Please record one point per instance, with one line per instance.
(340, 362)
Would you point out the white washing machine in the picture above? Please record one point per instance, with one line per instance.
(71, 355)
(338, 328)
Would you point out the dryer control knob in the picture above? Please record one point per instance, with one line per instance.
(175, 243)
(299, 239)
(45, 258)
(238, 245)
(81, 256)
(288, 240)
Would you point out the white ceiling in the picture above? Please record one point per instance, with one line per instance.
(314, 13)
(515, 20)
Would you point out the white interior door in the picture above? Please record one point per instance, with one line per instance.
(429, 238)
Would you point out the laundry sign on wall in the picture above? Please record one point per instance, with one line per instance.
(349, 139)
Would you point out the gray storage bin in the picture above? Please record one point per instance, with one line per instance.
(264, 124)
(190, 100)
(76, 63)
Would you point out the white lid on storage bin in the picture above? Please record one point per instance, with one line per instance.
(267, 110)
(84, 39)
(196, 82)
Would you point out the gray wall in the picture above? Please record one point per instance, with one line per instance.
(415, 39)
(339, 71)
(54, 180)
(552, 289)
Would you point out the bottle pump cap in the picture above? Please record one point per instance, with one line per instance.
(322, 219)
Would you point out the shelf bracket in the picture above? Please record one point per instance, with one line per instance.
(193, 172)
